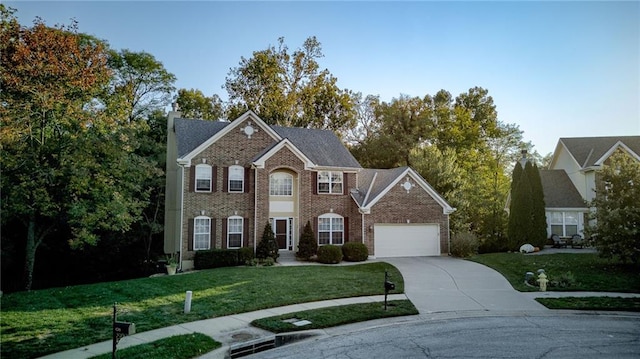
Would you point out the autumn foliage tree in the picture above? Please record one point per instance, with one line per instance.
(67, 166)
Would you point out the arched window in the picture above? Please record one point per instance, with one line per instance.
(201, 233)
(330, 229)
(234, 231)
(280, 184)
(236, 179)
(203, 178)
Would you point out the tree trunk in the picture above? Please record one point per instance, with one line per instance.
(30, 253)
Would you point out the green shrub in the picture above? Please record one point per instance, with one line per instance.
(307, 247)
(329, 254)
(355, 252)
(564, 280)
(268, 246)
(464, 244)
(245, 255)
(216, 258)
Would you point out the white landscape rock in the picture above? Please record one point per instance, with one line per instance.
(527, 248)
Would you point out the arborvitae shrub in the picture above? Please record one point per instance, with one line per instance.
(307, 247)
(268, 246)
(355, 252)
(329, 254)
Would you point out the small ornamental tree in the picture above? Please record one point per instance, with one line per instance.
(615, 223)
(268, 246)
(308, 247)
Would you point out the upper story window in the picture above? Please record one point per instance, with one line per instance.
(234, 232)
(330, 182)
(280, 184)
(236, 179)
(201, 233)
(203, 178)
(330, 229)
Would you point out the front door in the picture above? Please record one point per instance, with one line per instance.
(281, 232)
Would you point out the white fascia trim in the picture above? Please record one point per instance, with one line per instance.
(446, 208)
(259, 163)
(551, 166)
(613, 148)
(566, 209)
(373, 180)
(232, 126)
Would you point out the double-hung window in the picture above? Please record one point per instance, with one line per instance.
(330, 229)
(330, 182)
(203, 178)
(236, 179)
(201, 233)
(234, 232)
(280, 184)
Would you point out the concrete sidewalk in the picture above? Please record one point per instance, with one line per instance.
(227, 330)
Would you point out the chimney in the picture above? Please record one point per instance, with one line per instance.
(523, 160)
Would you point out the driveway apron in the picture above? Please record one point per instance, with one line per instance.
(445, 284)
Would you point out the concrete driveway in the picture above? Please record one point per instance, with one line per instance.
(445, 284)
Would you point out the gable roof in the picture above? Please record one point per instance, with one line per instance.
(374, 184)
(265, 154)
(559, 191)
(592, 151)
(322, 147)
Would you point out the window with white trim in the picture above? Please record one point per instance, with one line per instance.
(201, 233)
(564, 224)
(330, 182)
(234, 232)
(330, 229)
(280, 184)
(203, 178)
(236, 179)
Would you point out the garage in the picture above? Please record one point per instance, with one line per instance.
(406, 240)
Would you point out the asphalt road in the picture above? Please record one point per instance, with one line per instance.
(560, 336)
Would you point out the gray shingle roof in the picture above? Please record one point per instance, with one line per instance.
(383, 179)
(192, 133)
(322, 147)
(587, 150)
(559, 191)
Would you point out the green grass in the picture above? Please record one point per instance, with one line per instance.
(592, 303)
(46, 321)
(184, 346)
(591, 272)
(334, 316)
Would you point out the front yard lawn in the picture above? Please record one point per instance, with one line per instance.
(591, 273)
(592, 303)
(185, 346)
(46, 321)
(335, 316)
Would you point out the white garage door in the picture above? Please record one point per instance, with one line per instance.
(406, 240)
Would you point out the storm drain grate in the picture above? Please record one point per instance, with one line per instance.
(242, 350)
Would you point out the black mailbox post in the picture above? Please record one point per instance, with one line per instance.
(120, 330)
(388, 286)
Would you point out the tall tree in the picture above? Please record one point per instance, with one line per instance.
(66, 163)
(289, 89)
(538, 225)
(140, 83)
(616, 221)
(194, 104)
(519, 209)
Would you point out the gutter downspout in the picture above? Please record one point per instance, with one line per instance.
(181, 212)
(255, 208)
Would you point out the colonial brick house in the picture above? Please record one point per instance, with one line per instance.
(227, 180)
(573, 176)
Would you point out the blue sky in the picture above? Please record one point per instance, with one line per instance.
(556, 69)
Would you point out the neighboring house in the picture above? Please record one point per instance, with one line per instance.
(227, 180)
(573, 174)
